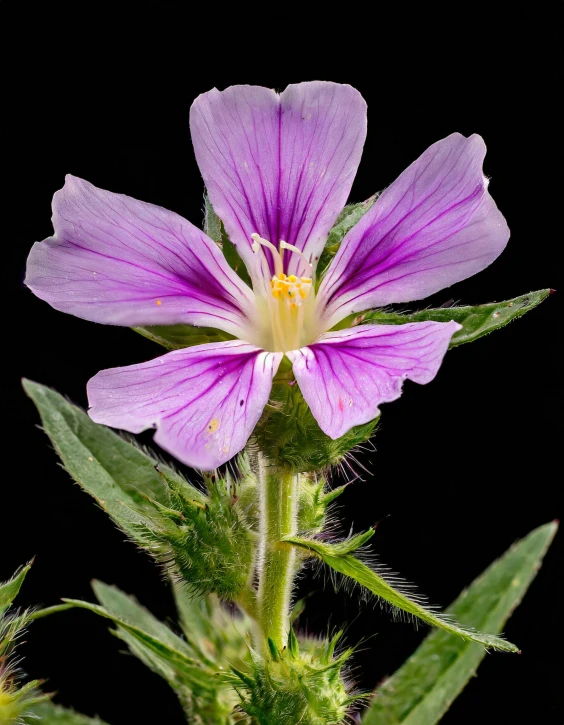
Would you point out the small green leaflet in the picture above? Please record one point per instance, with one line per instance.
(476, 321)
(118, 474)
(49, 714)
(340, 559)
(423, 689)
(10, 589)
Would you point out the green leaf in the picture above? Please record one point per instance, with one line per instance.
(340, 559)
(49, 714)
(10, 589)
(476, 321)
(128, 609)
(175, 337)
(346, 220)
(118, 474)
(423, 689)
(167, 655)
(192, 667)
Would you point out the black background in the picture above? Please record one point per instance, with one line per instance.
(463, 467)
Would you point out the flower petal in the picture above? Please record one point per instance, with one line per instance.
(204, 401)
(347, 374)
(120, 261)
(434, 226)
(280, 166)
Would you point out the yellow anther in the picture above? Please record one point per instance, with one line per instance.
(292, 278)
(306, 279)
(281, 276)
(303, 293)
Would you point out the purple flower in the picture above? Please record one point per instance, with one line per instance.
(278, 170)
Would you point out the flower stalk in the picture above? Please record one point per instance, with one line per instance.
(278, 492)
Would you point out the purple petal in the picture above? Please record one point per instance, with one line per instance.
(280, 166)
(120, 261)
(204, 401)
(347, 374)
(434, 226)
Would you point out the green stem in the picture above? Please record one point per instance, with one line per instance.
(278, 518)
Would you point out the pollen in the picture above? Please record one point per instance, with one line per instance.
(158, 302)
(213, 425)
(293, 289)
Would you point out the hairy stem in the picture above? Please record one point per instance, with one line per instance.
(278, 513)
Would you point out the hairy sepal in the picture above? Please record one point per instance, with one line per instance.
(289, 436)
(16, 698)
(305, 685)
(209, 545)
(476, 321)
(339, 557)
(314, 502)
(9, 590)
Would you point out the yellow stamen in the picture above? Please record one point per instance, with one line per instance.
(288, 321)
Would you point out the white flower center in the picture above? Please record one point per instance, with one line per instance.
(286, 301)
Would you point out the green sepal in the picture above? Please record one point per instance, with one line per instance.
(423, 689)
(50, 714)
(314, 503)
(175, 337)
(349, 216)
(476, 321)
(294, 686)
(293, 644)
(210, 543)
(16, 697)
(216, 634)
(299, 607)
(213, 227)
(17, 705)
(9, 590)
(212, 223)
(274, 653)
(289, 436)
(339, 558)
